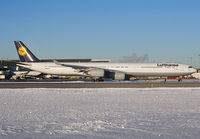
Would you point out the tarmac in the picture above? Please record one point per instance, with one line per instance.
(108, 84)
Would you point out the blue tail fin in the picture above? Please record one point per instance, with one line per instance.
(24, 53)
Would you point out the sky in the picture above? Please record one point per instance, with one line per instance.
(165, 30)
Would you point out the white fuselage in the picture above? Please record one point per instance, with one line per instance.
(135, 69)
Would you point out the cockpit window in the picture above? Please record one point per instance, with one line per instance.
(190, 67)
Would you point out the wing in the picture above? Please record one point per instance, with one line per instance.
(72, 66)
(83, 68)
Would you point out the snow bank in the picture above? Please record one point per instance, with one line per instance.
(100, 113)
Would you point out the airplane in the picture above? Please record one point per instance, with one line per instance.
(100, 71)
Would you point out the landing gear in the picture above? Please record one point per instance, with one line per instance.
(179, 80)
(97, 79)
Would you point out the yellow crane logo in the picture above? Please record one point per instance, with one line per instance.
(22, 51)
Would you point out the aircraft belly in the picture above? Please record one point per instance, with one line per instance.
(159, 73)
(65, 72)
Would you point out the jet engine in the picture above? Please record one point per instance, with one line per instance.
(96, 73)
(118, 76)
(100, 73)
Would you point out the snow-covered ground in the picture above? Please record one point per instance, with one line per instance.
(168, 113)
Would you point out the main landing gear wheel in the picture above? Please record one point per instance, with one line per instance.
(179, 80)
(97, 80)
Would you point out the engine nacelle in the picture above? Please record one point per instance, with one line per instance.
(118, 76)
(96, 73)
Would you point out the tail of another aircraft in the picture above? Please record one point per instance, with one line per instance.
(24, 53)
